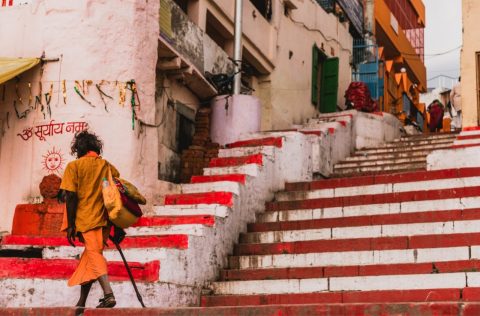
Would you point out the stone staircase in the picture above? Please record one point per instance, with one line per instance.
(400, 241)
(341, 246)
(402, 155)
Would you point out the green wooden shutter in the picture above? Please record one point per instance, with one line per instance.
(329, 89)
(315, 81)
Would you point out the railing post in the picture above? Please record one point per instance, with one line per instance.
(237, 54)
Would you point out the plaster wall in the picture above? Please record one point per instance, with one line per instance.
(469, 72)
(86, 36)
(291, 80)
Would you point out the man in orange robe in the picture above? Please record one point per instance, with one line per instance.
(86, 215)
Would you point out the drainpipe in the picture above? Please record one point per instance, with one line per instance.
(237, 53)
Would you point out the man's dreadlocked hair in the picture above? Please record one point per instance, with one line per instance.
(83, 142)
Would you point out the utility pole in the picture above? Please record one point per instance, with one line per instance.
(237, 54)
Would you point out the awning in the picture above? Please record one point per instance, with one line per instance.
(12, 67)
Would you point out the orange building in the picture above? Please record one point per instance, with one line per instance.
(398, 30)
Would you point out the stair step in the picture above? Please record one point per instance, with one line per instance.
(378, 162)
(236, 161)
(336, 284)
(396, 149)
(443, 250)
(63, 269)
(429, 196)
(398, 167)
(222, 198)
(356, 270)
(268, 141)
(392, 296)
(207, 220)
(240, 178)
(168, 241)
(367, 220)
(435, 184)
(383, 179)
(465, 203)
(405, 154)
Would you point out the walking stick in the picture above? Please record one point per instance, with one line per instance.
(139, 297)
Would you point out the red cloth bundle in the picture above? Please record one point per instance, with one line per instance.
(359, 97)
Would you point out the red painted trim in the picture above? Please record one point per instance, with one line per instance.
(430, 295)
(465, 137)
(168, 241)
(377, 113)
(240, 178)
(310, 132)
(206, 220)
(396, 197)
(269, 141)
(464, 146)
(356, 244)
(471, 128)
(223, 198)
(368, 220)
(331, 130)
(236, 161)
(344, 123)
(384, 179)
(10, 3)
(64, 268)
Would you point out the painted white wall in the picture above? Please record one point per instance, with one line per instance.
(95, 40)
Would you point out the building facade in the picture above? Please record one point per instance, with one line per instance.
(137, 77)
(470, 65)
(393, 48)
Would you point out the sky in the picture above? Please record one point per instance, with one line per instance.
(443, 32)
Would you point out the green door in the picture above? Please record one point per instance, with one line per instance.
(324, 81)
(329, 86)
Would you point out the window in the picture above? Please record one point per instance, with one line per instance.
(324, 81)
(264, 7)
(217, 32)
(183, 4)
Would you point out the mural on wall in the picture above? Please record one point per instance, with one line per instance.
(51, 129)
(53, 161)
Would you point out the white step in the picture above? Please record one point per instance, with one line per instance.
(466, 204)
(187, 229)
(399, 167)
(366, 283)
(379, 162)
(248, 169)
(371, 231)
(351, 258)
(187, 210)
(402, 149)
(428, 185)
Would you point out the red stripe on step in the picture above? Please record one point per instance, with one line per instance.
(357, 244)
(269, 141)
(471, 128)
(374, 199)
(168, 241)
(384, 179)
(64, 268)
(344, 124)
(331, 130)
(223, 198)
(240, 178)
(464, 137)
(464, 146)
(430, 295)
(207, 220)
(386, 219)
(317, 133)
(236, 161)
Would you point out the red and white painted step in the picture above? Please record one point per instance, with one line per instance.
(402, 237)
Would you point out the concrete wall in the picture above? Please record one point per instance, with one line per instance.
(85, 36)
(469, 73)
(290, 83)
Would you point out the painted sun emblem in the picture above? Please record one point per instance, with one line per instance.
(53, 161)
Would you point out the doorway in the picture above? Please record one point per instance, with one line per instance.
(324, 81)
